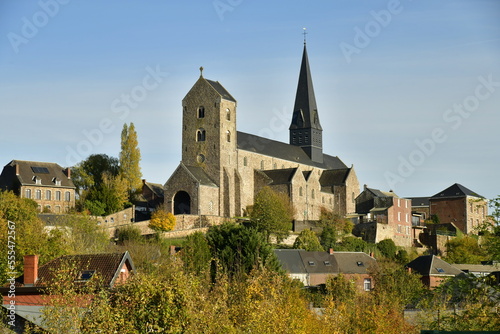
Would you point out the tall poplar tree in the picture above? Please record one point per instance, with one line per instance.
(130, 156)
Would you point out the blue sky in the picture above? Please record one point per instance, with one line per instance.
(407, 91)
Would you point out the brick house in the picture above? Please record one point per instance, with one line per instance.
(46, 183)
(460, 206)
(28, 291)
(222, 169)
(314, 268)
(383, 215)
(433, 270)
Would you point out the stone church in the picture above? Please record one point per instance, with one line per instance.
(222, 169)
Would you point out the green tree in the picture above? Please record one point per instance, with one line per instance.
(272, 213)
(464, 250)
(387, 248)
(307, 240)
(196, 254)
(239, 249)
(89, 173)
(130, 158)
(351, 244)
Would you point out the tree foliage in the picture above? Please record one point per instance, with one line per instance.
(130, 158)
(307, 240)
(272, 213)
(464, 250)
(387, 248)
(239, 249)
(162, 221)
(196, 254)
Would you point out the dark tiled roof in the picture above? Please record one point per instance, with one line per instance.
(273, 148)
(46, 172)
(378, 193)
(456, 190)
(354, 262)
(334, 177)
(430, 265)
(319, 262)
(419, 201)
(290, 260)
(106, 266)
(280, 176)
(155, 188)
(200, 175)
(221, 90)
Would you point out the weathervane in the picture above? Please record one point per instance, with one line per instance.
(305, 33)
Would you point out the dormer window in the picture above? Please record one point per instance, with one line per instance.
(56, 181)
(85, 275)
(37, 180)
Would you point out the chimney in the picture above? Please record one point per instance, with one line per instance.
(330, 251)
(172, 250)
(143, 181)
(30, 269)
(365, 187)
(17, 169)
(68, 172)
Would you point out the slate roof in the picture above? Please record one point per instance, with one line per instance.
(456, 190)
(280, 176)
(419, 201)
(107, 266)
(46, 172)
(430, 265)
(273, 148)
(221, 90)
(156, 188)
(299, 261)
(334, 177)
(378, 193)
(200, 175)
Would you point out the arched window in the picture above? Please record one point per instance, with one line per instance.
(48, 195)
(228, 136)
(38, 194)
(58, 195)
(228, 114)
(27, 193)
(67, 196)
(201, 112)
(200, 135)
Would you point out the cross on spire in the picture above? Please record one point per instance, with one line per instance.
(305, 33)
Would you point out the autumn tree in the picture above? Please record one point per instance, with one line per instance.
(196, 254)
(130, 157)
(162, 221)
(272, 213)
(464, 250)
(307, 240)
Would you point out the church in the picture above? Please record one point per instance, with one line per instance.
(223, 169)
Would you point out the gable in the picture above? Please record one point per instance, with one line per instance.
(456, 190)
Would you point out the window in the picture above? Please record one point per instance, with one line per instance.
(48, 195)
(58, 195)
(245, 161)
(85, 275)
(67, 196)
(367, 284)
(399, 228)
(406, 203)
(40, 170)
(201, 112)
(399, 202)
(312, 194)
(37, 180)
(360, 264)
(200, 135)
(407, 230)
(27, 193)
(327, 263)
(311, 263)
(228, 136)
(228, 114)
(262, 164)
(38, 194)
(56, 181)
(399, 216)
(300, 191)
(406, 218)
(440, 270)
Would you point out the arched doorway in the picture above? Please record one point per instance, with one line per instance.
(182, 203)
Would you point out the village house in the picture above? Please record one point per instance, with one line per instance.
(28, 292)
(46, 183)
(433, 270)
(383, 215)
(314, 268)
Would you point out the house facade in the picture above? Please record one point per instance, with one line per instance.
(461, 206)
(433, 270)
(315, 268)
(222, 169)
(384, 215)
(46, 183)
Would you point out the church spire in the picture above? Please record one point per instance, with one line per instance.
(305, 129)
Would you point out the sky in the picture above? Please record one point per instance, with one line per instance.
(407, 91)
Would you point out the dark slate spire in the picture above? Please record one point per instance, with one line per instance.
(305, 130)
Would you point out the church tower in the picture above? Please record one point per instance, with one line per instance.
(305, 129)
